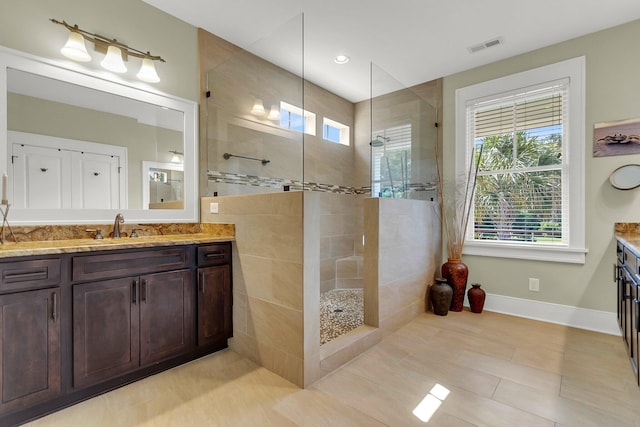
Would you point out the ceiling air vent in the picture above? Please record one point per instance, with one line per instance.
(485, 45)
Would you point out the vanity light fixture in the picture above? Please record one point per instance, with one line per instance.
(274, 113)
(113, 60)
(258, 108)
(176, 156)
(75, 48)
(341, 59)
(116, 52)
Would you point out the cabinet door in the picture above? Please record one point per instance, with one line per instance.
(105, 330)
(620, 276)
(166, 315)
(29, 348)
(214, 305)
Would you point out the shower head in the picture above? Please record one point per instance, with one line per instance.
(379, 141)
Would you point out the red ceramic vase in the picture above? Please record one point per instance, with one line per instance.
(476, 298)
(456, 273)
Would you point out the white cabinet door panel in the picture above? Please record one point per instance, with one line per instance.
(57, 173)
(40, 177)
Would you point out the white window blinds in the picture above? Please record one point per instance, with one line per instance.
(521, 185)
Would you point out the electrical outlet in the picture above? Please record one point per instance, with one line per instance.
(534, 284)
(213, 208)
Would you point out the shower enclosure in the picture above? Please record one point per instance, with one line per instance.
(301, 292)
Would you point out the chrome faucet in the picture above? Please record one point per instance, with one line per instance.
(116, 225)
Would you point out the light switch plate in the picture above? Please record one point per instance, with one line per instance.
(213, 208)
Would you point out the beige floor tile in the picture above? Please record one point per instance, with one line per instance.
(315, 408)
(500, 371)
(556, 408)
(532, 377)
(384, 404)
(483, 411)
(625, 402)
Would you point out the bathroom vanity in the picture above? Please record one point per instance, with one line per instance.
(81, 317)
(627, 279)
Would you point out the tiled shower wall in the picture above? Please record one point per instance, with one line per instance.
(276, 274)
(267, 278)
(341, 230)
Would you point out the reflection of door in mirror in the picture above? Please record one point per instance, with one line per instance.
(162, 185)
(58, 173)
(46, 106)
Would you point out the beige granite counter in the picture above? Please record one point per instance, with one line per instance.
(629, 234)
(43, 240)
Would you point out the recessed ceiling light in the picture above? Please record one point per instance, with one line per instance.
(341, 59)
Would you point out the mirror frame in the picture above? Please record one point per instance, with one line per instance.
(13, 59)
(617, 184)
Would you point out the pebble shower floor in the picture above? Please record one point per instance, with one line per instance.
(341, 310)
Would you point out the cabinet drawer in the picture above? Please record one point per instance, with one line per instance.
(215, 254)
(112, 265)
(29, 274)
(629, 259)
(619, 252)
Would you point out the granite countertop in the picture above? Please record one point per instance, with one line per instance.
(74, 238)
(629, 234)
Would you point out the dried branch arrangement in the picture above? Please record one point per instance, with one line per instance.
(455, 212)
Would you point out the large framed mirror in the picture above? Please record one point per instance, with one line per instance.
(75, 144)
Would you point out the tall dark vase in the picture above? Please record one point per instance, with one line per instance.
(456, 273)
(476, 298)
(441, 294)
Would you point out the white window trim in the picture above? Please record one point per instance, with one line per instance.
(574, 69)
(344, 131)
(309, 117)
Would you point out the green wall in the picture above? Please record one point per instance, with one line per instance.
(612, 93)
(25, 26)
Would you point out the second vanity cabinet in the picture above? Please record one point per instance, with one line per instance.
(78, 324)
(628, 302)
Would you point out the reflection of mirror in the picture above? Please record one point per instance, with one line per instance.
(162, 185)
(50, 105)
(626, 177)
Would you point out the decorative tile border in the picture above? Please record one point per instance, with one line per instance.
(281, 183)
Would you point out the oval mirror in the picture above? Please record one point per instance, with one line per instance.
(626, 177)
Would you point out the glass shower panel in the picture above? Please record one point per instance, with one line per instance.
(403, 138)
(250, 148)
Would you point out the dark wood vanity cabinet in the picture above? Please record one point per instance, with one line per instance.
(627, 280)
(30, 340)
(29, 348)
(77, 325)
(214, 294)
(121, 324)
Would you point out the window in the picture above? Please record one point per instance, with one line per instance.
(391, 162)
(295, 118)
(528, 202)
(334, 131)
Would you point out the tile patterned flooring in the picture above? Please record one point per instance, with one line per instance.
(499, 370)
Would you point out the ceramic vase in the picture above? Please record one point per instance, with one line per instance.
(441, 294)
(456, 273)
(476, 297)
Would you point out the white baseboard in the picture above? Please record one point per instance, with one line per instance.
(583, 318)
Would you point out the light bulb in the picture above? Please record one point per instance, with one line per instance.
(75, 48)
(274, 113)
(258, 108)
(148, 72)
(113, 61)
